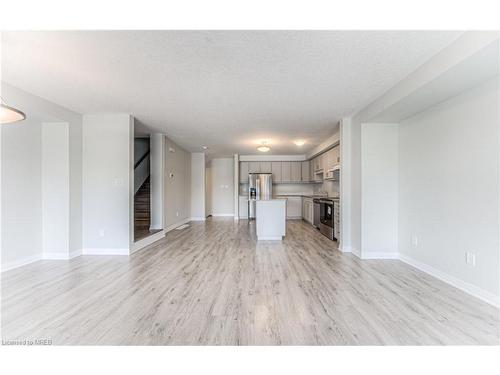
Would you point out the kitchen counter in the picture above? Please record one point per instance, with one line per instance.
(307, 196)
(271, 219)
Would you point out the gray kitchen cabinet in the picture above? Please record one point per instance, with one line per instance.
(244, 171)
(254, 167)
(243, 207)
(336, 155)
(336, 219)
(308, 210)
(286, 171)
(294, 207)
(276, 171)
(295, 171)
(265, 167)
(329, 159)
(305, 171)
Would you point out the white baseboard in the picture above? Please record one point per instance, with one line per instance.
(379, 255)
(473, 290)
(270, 238)
(173, 226)
(356, 252)
(155, 227)
(345, 249)
(194, 218)
(147, 241)
(222, 215)
(20, 262)
(105, 251)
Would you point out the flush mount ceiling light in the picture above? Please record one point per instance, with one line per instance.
(9, 114)
(264, 147)
(299, 142)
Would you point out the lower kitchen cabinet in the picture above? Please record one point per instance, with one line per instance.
(308, 210)
(243, 207)
(294, 208)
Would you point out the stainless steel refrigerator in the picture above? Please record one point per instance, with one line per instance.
(260, 187)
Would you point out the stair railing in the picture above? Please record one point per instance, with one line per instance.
(141, 171)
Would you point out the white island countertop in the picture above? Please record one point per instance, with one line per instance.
(270, 218)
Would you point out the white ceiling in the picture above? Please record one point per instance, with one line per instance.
(224, 89)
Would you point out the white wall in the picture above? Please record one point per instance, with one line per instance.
(21, 193)
(177, 185)
(208, 189)
(107, 183)
(449, 187)
(197, 186)
(379, 190)
(21, 159)
(157, 147)
(222, 186)
(55, 163)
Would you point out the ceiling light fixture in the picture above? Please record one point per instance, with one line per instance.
(9, 114)
(264, 147)
(299, 142)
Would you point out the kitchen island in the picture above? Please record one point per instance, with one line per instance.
(271, 219)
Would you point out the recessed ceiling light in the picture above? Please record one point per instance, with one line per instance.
(299, 142)
(263, 148)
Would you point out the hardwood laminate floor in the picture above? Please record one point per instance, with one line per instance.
(214, 284)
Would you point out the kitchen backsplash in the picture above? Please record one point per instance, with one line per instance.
(330, 187)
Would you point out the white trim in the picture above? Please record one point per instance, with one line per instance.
(294, 217)
(222, 215)
(20, 262)
(379, 255)
(356, 252)
(147, 241)
(272, 158)
(61, 256)
(105, 251)
(75, 253)
(473, 290)
(155, 227)
(176, 225)
(270, 238)
(345, 249)
(198, 218)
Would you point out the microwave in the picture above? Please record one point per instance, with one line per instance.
(333, 174)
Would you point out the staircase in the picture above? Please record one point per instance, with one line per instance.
(142, 210)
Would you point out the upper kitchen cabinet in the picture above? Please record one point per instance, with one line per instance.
(296, 171)
(276, 171)
(265, 167)
(333, 158)
(286, 171)
(328, 159)
(336, 155)
(254, 167)
(305, 171)
(244, 171)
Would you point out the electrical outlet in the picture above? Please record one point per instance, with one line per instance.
(470, 258)
(119, 181)
(177, 213)
(414, 241)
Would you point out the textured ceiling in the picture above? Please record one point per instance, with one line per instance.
(224, 89)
